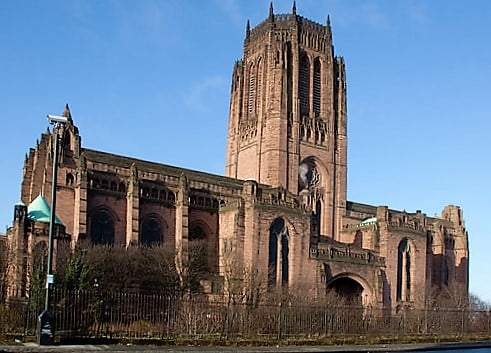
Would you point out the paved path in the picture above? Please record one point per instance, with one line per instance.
(34, 348)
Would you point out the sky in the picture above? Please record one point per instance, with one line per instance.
(151, 79)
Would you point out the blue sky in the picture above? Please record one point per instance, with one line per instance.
(151, 80)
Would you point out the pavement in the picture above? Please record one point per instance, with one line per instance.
(35, 348)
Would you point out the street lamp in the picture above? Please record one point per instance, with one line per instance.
(45, 329)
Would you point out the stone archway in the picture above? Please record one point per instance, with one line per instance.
(352, 289)
(347, 288)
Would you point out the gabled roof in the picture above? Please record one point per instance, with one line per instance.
(39, 211)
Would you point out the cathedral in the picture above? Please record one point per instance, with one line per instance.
(280, 213)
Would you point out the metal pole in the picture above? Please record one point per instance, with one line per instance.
(45, 326)
(49, 275)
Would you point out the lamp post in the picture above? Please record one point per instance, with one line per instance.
(45, 329)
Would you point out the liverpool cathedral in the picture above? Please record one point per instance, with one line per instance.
(280, 213)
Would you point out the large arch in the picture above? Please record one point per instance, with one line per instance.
(313, 176)
(352, 287)
(102, 227)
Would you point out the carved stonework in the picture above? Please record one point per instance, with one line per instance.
(313, 130)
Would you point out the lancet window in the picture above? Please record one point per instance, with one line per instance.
(404, 264)
(278, 259)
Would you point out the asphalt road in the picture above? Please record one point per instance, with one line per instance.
(34, 348)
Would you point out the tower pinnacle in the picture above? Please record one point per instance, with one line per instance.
(66, 113)
(328, 27)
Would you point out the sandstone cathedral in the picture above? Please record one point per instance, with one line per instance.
(280, 213)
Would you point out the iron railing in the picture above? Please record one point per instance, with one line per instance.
(134, 315)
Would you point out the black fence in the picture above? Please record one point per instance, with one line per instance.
(127, 315)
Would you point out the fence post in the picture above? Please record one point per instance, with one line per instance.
(227, 319)
(489, 321)
(462, 322)
(279, 320)
(425, 328)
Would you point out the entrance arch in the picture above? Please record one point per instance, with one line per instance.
(352, 288)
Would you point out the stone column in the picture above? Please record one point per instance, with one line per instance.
(16, 246)
(132, 207)
(182, 226)
(80, 204)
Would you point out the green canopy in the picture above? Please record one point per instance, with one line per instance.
(39, 211)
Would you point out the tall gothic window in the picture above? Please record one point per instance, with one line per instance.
(404, 263)
(278, 251)
(151, 232)
(317, 87)
(259, 85)
(304, 84)
(446, 271)
(252, 88)
(318, 211)
(102, 228)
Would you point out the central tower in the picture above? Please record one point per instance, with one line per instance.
(287, 121)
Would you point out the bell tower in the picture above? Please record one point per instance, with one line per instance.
(287, 121)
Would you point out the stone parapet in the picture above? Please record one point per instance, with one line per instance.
(346, 254)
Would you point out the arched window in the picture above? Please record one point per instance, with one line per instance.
(318, 210)
(252, 88)
(197, 233)
(446, 271)
(102, 228)
(278, 251)
(304, 84)
(404, 263)
(151, 232)
(69, 179)
(317, 87)
(259, 84)
(171, 197)
(308, 176)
